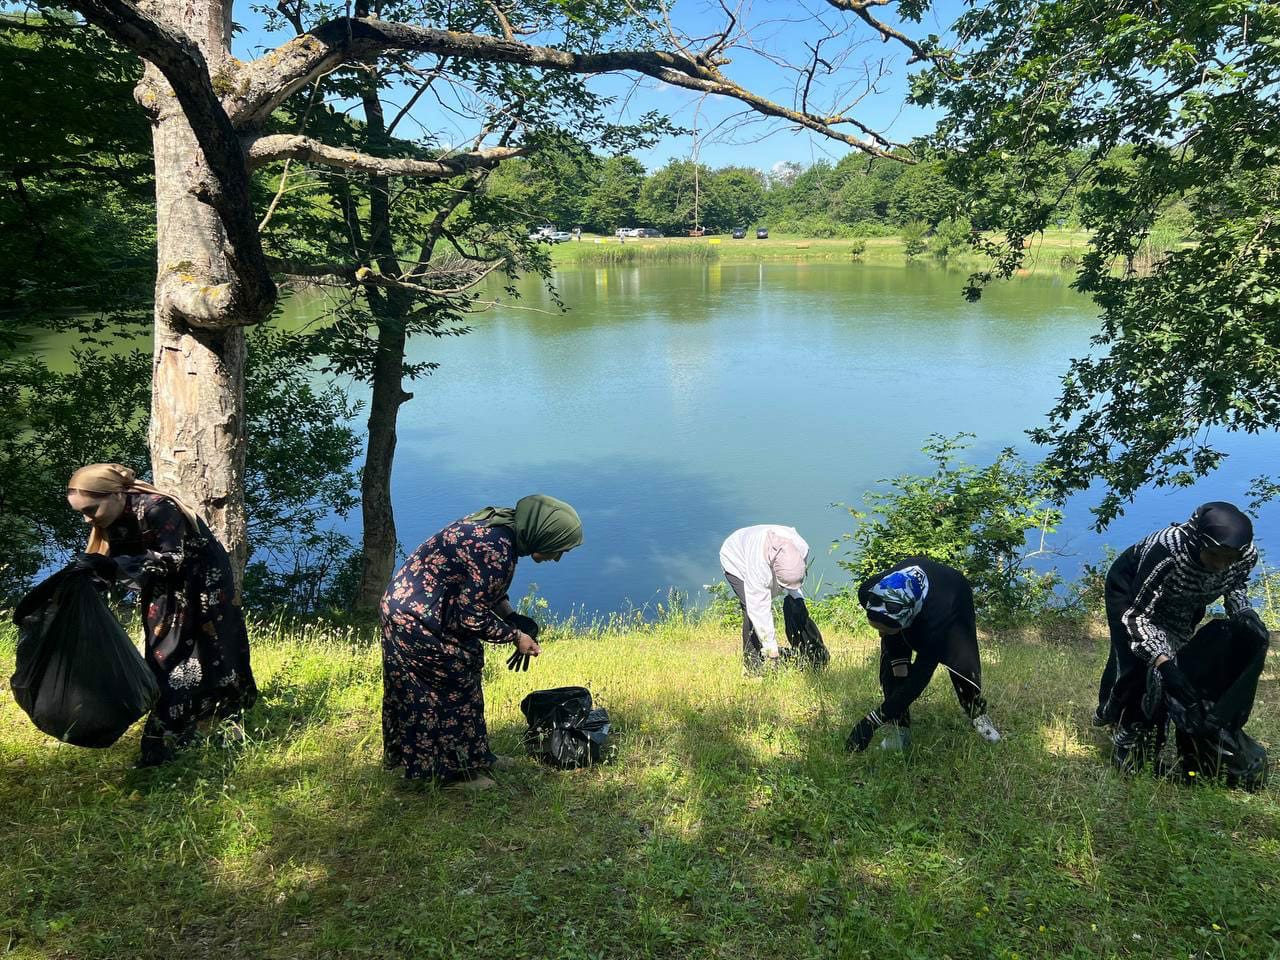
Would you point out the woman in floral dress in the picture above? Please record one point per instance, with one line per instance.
(196, 642)
(443, 605)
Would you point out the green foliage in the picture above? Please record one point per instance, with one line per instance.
(736, 198)
(1164, 116)
(51, 424)
(952, 237)
(301, 445)
(913, 238)
(857, 250)
(611, 201)
(299, 476)
(922, 194)
(76, 222)
(977, 519)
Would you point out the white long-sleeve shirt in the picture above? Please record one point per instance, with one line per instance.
(744, 554)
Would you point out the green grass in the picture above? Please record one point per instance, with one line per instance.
(732, 823)
(1046, 253)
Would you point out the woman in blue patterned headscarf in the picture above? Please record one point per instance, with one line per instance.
(924, 608)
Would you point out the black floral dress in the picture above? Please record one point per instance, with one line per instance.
(436, 617)
(196, 642)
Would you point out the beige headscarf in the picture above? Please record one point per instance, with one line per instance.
(786, 561)
(117, 478)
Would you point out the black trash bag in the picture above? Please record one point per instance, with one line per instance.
(1224, 660)
(803, 635)
(565, 731)
(1230, 755)
(78, 676)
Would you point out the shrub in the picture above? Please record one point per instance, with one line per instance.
(976, 519)
(952, 237)
(913, 239)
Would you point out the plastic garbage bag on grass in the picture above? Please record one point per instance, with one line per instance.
(803, 635)
(565, 730)
(77, 675)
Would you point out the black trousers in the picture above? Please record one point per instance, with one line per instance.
(962, 664)
(1124, 678)
(752, 649)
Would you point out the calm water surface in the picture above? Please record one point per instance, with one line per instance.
(672, 404)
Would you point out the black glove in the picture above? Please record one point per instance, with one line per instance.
(518, 661)
(99, 564)
(1187, 708)
(1251, 621)
(863, 731)
(1177, 685)
(523, 624)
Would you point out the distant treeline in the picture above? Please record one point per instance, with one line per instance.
(857, 196)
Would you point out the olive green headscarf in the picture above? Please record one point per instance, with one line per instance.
(542, 524)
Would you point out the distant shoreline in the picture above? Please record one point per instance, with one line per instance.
(1058, 250)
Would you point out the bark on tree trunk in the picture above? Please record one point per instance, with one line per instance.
(197, 433)
(389, 308)
(379, 553)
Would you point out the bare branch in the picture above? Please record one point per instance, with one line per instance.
(285, 146)
(274, 77)
(860, 9)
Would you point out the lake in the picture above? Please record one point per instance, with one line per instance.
(672, 404)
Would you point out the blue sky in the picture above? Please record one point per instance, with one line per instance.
(778, 30)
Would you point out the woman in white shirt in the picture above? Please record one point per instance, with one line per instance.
(760, 563)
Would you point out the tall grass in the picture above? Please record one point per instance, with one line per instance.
(635, 252)
(731, 823)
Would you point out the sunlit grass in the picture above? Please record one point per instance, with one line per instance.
(731, 824)
(1044, 252)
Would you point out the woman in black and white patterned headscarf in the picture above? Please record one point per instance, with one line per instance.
(1157, 592)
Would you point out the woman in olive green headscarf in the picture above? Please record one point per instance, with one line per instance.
(443, 605)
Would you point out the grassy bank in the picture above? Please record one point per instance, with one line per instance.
(1046, 253)
(732, 824)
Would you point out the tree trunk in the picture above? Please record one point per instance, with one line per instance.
(390, 310)
(197, 433)
(379, 552)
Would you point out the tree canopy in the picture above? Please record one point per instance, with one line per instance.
(1158, 114)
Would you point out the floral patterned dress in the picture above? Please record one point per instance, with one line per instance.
(436, 617)
(196, 642)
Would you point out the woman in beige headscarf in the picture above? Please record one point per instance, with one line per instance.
(762, 562)
(196, 643)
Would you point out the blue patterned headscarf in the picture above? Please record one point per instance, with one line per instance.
(898, 597)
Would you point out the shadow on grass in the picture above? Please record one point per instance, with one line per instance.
(732, 824)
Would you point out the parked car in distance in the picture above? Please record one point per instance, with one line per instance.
(739, 233)
(762, 233)
(648, 232)
(560, 236)
(698, 232)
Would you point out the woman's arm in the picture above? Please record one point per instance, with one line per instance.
(908, 691)
(488, 561)
(1148, 640)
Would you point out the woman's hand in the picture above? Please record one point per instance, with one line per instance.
(526, 647)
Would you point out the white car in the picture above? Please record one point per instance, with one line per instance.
(560, 236)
